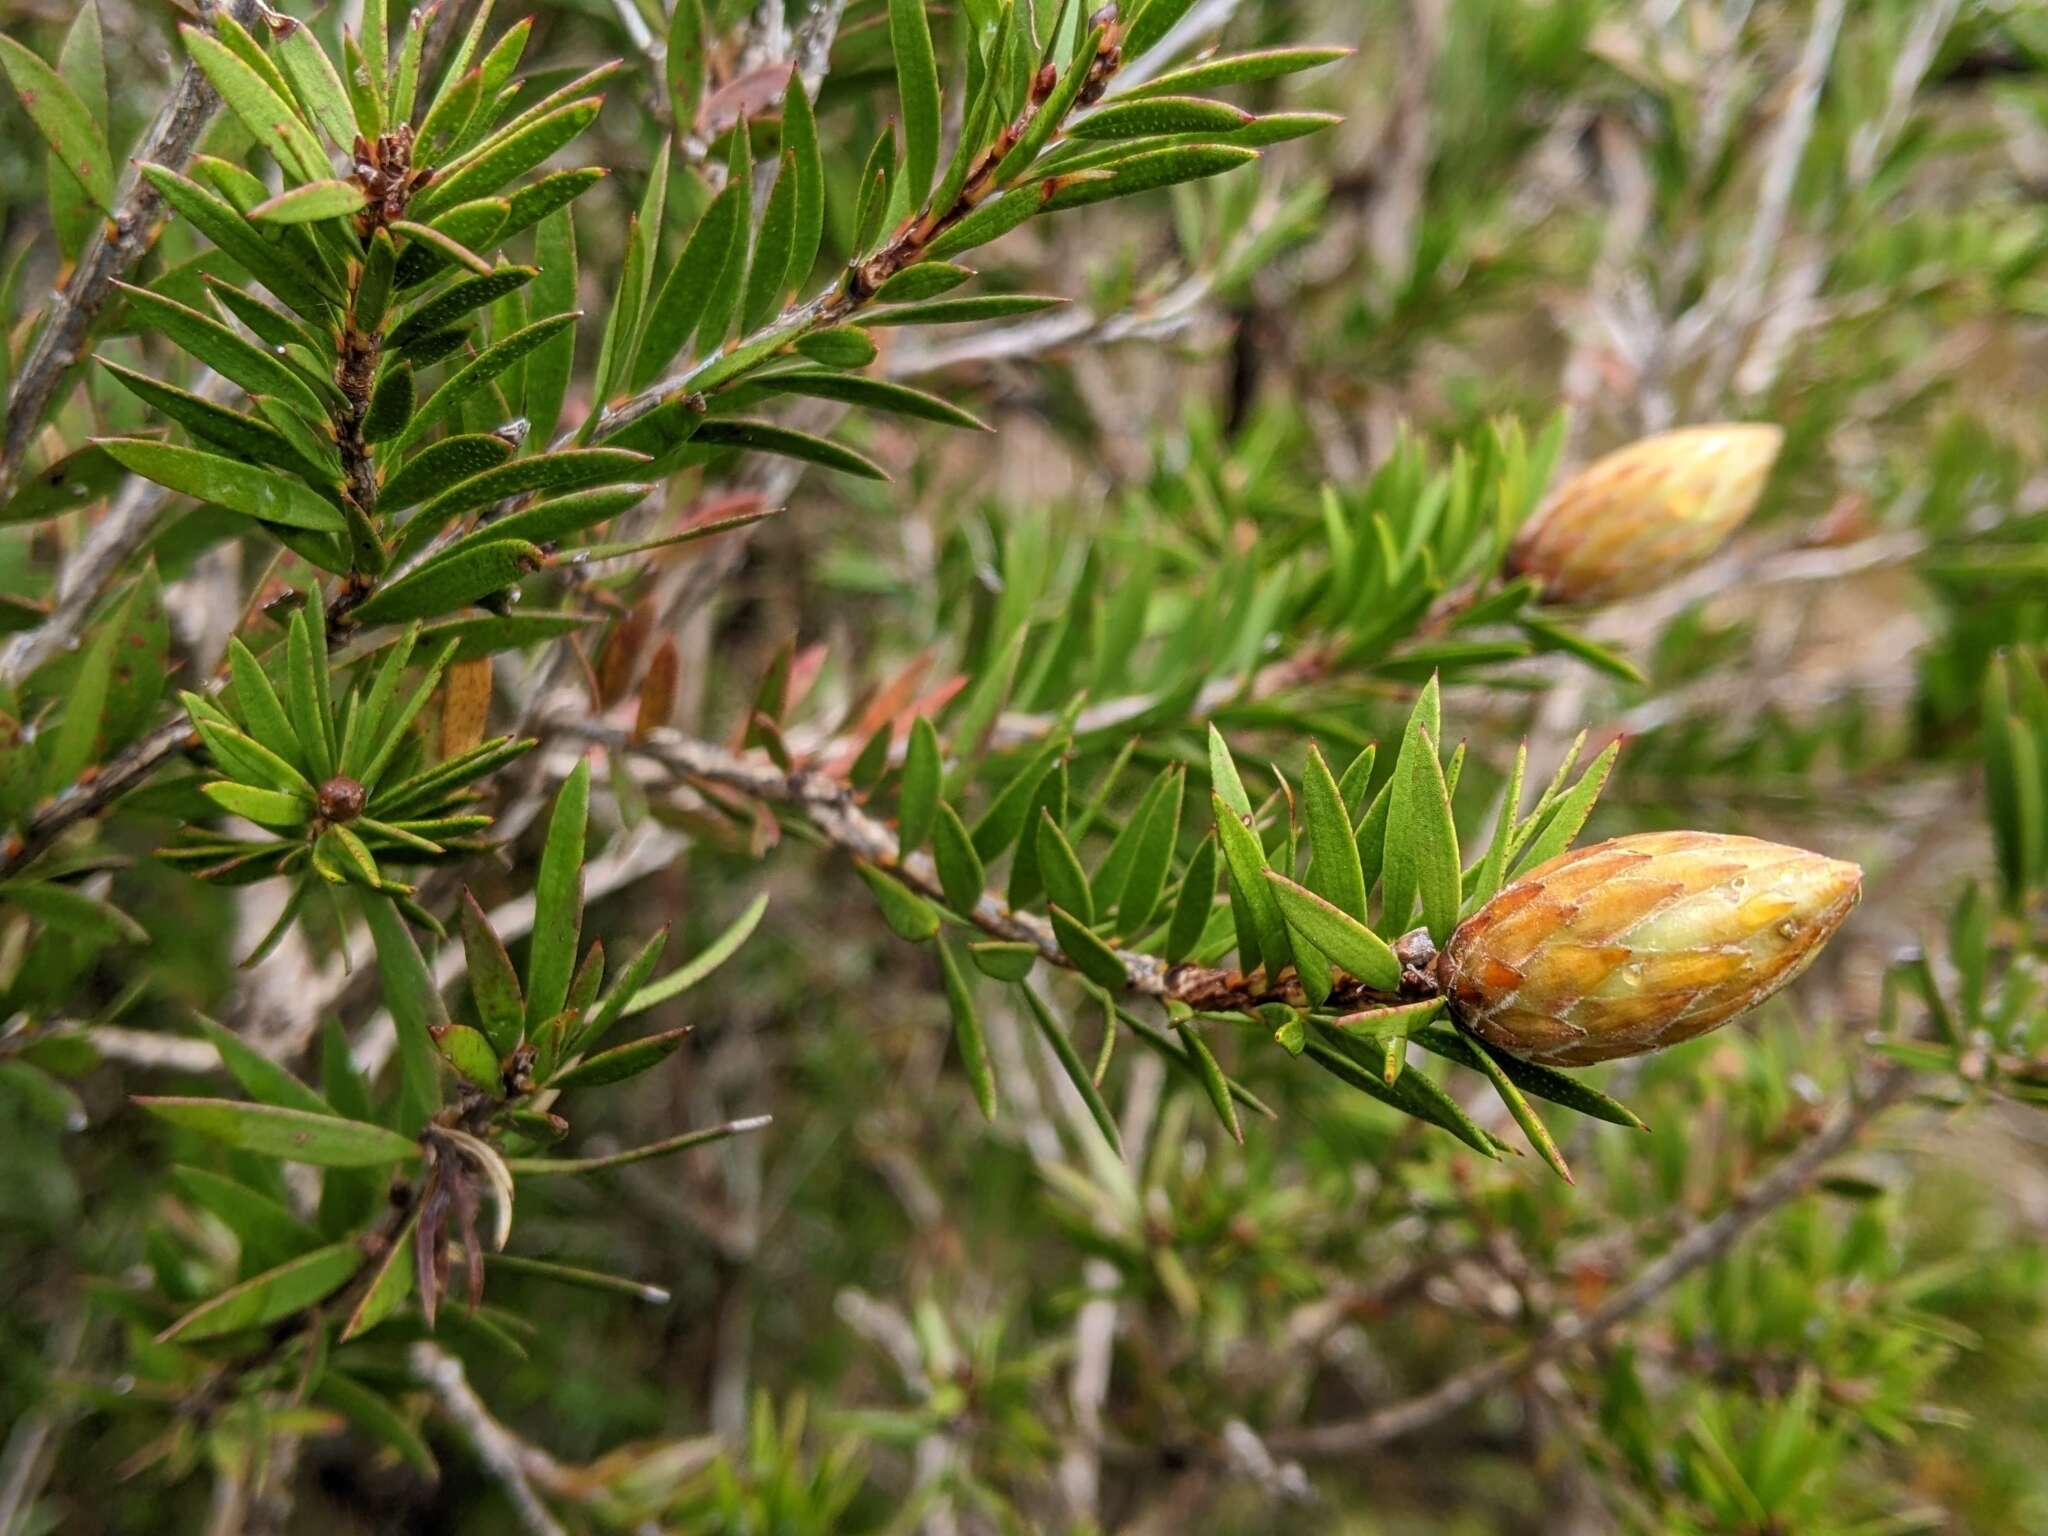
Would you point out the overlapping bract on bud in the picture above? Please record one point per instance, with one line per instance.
(1641, 942)
(1645, 513)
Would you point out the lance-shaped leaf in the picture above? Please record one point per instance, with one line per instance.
(917, 90)
(1193, 906)
(908, 914)
(967, 1032)
(244, 437)
(918, 798)
(310, 203)
(470, 1053)
(1090, 955)
(441, 465)
(1568, 815)
(1141, 116)
(1246, 860)
(483, 368)
(314, 80)
(962, 875)
(1062, 1048)
(1563, 1088)
(571, 469)
(277, 1293)
(373, 1414)
(390, 1284)
(296, 1135)
(274, 124)
(265, 1231)
(249, 489)
(79, 478)
(686, 293)
(62, 119)
(1066, 883)
(1422, 842)
(1238, 69)
(1342, 937)
(451, 581)
(260, 1077)
(768, 437)
(622, 1061)
(558, 901)
(459, 298)
(232, 356)
(870, 394)
(511, 153)
(721, 949)
(1147, 171)
(72, 911)
(683, 64)
(492, 981)
(261, 256)
(1334, 872)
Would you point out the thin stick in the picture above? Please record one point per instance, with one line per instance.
(1700, 1244)
(118, 244)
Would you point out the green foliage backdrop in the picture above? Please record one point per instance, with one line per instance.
(815, 766)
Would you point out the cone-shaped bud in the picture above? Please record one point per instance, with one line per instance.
(1643, 514)
(1632, 945)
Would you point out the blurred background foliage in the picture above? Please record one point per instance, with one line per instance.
(1593, 218)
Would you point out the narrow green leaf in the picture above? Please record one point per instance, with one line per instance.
(416, 1012)
(1192, 907)
(967, 1031)
(451, 581)
(1246, 860)
(483, 368)
(768, 437)
(908, 914)
(441, 465)
(1422, 842)
(1077, 1072)
(917, 90)
(1066, 883)
(270, 120)
(1147, 171)
(390, 1284)
(470, 1053)
(1090, 955)
(493, 983)
(621, 1062)
(558, 901)
(918, 799)
(249, 489)
(64, 121)
(1142, 116)
(1003, 960)
(684, 62)
(988, 306)
(962, 876)
(1568, 816)
(296, 1135)
(1214, 1083)
(315, 81)
(232, 356)
(311, 202)
(1342, 937)
(511, 153)
(275, 1294)
(1334, 871)
(529, 1166)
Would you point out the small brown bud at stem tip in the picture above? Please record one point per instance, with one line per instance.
(342, 799)
(1642, 942)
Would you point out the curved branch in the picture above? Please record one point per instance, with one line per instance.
(1700, 1244)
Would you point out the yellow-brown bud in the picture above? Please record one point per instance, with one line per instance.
(1643, 514)
(1642, 942)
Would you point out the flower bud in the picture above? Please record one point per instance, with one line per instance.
(1643, 514)
(1642, 942)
